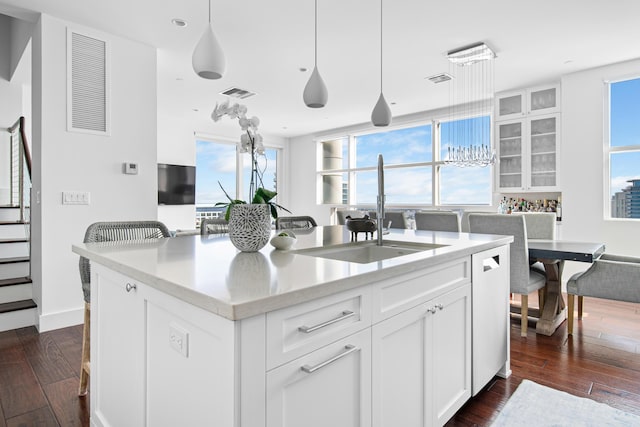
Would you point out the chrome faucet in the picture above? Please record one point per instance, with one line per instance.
(380, 206)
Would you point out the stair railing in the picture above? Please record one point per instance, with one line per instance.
(20, 186)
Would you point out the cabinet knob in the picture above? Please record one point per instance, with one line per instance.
(129, 287)
(439, 306)
(432, 310)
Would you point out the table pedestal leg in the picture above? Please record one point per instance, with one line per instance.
(554, 311)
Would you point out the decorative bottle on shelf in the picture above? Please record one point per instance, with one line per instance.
(559, 209)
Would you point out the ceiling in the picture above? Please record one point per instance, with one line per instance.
(268, 42)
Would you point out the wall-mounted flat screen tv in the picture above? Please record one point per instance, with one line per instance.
(176, 184)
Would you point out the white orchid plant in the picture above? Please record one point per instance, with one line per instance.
(250, 142)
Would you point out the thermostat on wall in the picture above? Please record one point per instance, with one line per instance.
(131, 168)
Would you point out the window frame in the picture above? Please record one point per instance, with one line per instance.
(436, 163)
(240, 184)
(609, 150)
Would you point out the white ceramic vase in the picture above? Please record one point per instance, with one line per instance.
(250, 226)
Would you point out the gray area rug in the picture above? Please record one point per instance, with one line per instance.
(534, 404)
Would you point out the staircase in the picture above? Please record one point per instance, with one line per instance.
(17, 308)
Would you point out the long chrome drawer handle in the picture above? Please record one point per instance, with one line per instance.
(308, 329)
(348, 350)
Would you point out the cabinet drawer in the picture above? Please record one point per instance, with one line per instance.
(300, 329)
(393, 296)
(328, 387)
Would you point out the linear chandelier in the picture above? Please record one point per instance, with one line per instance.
(468, 138)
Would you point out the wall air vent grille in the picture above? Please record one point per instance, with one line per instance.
(236, 92)
(87, 84)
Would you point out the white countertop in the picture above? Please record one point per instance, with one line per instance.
(210, 273)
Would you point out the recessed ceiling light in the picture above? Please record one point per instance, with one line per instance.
(302, 69)
(179, 79)
(195, 109)
(179, 22)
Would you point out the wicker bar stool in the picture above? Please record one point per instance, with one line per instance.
(107, 232)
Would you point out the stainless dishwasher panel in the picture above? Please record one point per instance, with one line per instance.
(490, 316)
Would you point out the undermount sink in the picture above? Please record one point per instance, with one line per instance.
(368, 251)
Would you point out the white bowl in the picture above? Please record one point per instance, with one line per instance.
(283, 242)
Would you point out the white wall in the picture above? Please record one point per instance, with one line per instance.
(582, 170)
(67, 161)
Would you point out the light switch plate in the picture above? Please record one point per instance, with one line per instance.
(76, 197)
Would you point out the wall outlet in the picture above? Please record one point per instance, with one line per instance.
(76, 197)
(179, 339)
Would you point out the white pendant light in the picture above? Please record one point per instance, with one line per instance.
(315, 92)
(381, 114)
(208, 59)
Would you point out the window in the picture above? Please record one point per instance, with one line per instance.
(218, 162)
(624, 149)
(413, 161)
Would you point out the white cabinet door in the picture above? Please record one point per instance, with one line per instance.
(527, 153)
(117, 350)
(490, 296)
(421, 362)
(532, 101)
(451, 369)
(328, 387)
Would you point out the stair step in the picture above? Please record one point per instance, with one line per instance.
(14, 260)
(8, 307)
(13, 240)
(15, 281)
(14, 230)
(9, 213)
(18, 314)
(14, 267)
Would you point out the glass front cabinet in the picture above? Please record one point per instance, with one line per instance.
(539, 100)
(527, 139)
(527, 153)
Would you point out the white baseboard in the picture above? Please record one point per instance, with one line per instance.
(61, 319)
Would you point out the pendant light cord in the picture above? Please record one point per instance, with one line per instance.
(315, 59)
(209, 11)
(380, 46)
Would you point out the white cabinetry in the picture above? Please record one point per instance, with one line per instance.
(149, 351)
(395, 352)
(422, 362)
(328, 387)
(527, 153)
(539, 100)
(117, 359)
(528, 140)
(490, 295)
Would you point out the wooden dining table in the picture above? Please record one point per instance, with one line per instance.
(552, 254)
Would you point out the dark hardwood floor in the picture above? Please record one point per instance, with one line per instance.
(39, 372)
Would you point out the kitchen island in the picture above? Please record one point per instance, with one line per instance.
(188, 331)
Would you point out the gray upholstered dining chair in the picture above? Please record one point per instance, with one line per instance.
(540, 225)
(523, 279)
(392, 219)
(107, 232)
(613, 277)
(289, 222)
(214, 226)
(437, 221)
